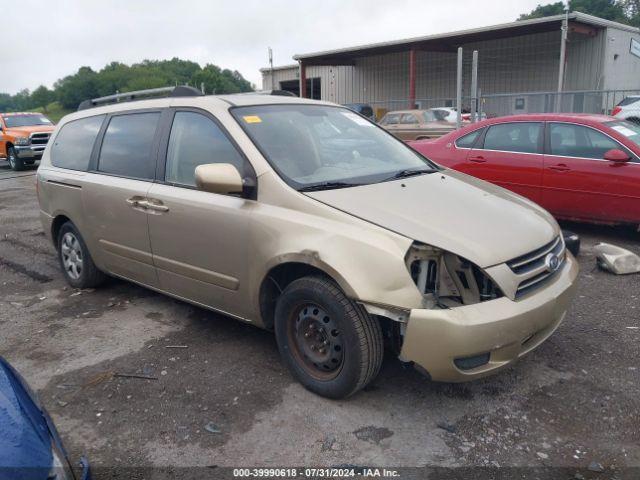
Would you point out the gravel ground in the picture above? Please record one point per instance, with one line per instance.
(226, 400)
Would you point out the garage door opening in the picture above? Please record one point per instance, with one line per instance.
(293, 86)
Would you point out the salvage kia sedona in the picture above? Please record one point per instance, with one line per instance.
(307, 219)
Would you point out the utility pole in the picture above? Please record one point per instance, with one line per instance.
(459, 90)
(474, 86)
(563, 54)
(271, 67)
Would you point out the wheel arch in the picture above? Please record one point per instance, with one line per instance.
(280, 274)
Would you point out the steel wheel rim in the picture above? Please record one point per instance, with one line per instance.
(71, 253)
(12, 158)
(316, 341)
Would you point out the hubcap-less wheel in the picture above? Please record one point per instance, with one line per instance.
(71, 255)
(316, 341)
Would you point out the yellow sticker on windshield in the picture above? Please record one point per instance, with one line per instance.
(252, 119)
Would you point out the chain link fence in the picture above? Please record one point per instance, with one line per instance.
(501, 104)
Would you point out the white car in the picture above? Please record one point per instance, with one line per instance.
(450, 114)
(628, 109)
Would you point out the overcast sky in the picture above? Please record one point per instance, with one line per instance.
(61, 36)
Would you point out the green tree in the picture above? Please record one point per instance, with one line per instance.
(41, 97)
(73, 89)
(607, 9)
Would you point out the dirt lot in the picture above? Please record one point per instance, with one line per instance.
(226, 399)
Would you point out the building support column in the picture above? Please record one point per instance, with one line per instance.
(303, 80)
(412, 79)
(563, 54)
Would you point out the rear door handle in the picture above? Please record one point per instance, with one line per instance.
(561, 167)
(478, 159)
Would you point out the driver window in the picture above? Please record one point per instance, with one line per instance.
(570, 140)
(196, 140)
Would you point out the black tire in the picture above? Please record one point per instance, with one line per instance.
(88, 276)
(307, 306)
(634, 120)
(15, 163)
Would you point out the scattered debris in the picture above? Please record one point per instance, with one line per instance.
(75, 294)
(176, 346)
(595, 467)
(135, 375)
(372, 434)
(212, 428)
(616, 259)
(163, 372)
(542, 455)
(572, 242)
(446, 426)
(99, 378)
(62, 403)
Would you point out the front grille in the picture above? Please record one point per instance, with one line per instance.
(532, 267)
(40, 138)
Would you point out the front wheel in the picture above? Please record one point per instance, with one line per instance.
(15, 163)
(330, 344)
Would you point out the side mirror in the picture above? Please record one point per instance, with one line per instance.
(218, 178)
(616, 155)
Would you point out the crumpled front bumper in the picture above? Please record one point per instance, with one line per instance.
(501, 330)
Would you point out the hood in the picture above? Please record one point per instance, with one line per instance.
(479, 221)
(25, 442)
(26, 131)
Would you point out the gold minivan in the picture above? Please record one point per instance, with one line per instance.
(305, 218)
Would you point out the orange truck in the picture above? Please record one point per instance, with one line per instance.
(23, 137)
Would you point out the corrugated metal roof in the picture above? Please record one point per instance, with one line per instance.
(577, 16)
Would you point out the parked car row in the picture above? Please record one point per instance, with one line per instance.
(579, 167)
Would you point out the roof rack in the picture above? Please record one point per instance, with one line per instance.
(179, 91)
(279, 93)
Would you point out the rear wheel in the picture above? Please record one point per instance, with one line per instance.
(15, 163)
(331, 345)
(75, 259)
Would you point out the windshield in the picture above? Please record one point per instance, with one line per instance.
(311, 144)
(12, 121)
(628, 129)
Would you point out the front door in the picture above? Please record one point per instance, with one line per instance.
(114, 195)
(510, 155)
(200, 239)
(579, 183)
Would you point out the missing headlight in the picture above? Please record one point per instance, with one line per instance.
(446, 280)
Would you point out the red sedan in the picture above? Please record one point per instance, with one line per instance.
(579, 167)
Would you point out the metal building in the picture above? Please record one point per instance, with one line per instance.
(515, 59)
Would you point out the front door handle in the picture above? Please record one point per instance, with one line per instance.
(136, 201)
(477, 159)
(561, 167)
(156, 205)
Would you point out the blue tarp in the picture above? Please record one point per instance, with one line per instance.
(25, 440)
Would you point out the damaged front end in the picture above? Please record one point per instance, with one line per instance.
(467, 327)
(446, 280)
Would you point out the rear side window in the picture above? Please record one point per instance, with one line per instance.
(196, 140)
(74, 143)
(127, 144)
(514, 137)
(468, 140)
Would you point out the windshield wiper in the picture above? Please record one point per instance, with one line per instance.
(326, 186)
(411, 172)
